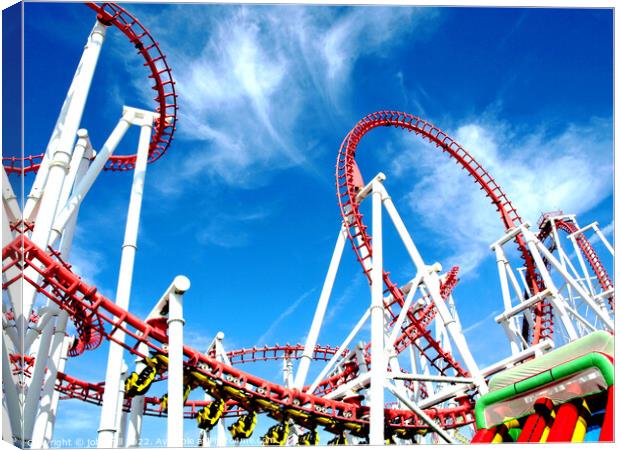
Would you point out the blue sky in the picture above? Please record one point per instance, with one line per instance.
(244, 202)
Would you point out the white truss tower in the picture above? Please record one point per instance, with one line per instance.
(385, 372)
(579, 307)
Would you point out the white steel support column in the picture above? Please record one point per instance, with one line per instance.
(319, 314)
(81, 189)
(58, 169)
(80, 161)
(44, 423)
(11, 394)
(377, 311)
(53, 408)
(7, 429)
(221, 439)
(107, 425)
(603, 239)
(33, 395)
(597, 309)
(432, 283)
(416, 409)
(9, 198)
(175, 362)
(134, 428)
(57, 353)
(582, 264)
(341, 349)
(503, 280)
(70, 115)
(119, 437)
(13, 291)
(554, 297)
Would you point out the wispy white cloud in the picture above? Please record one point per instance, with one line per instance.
(570, 170)
(287, 312)
(254, 82)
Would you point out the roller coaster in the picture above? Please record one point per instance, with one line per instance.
(558, 311)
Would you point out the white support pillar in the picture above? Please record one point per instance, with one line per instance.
(416, 409)
(9, 198)
(14, 290)
(107, 426)
(432, 283)
(70, 116)
(555, 298)
(603, 239)
(81, 189)
(58, 351)
(33, 395)
(134, 428)
(11, 394)
(222, 436)
(80, 161)
(319, 314)
(50, 421)
(58, 168)
(503, 279)
(341, 349)
(44, 423)
(600, 311)
(121, 422)
(175, 362)
(377, 311)
(582, 264)
(7, 429)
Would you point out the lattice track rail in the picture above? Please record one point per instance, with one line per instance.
(348, 186)
(111, 14)
(89, 392)
(569, 227)
(66, 289)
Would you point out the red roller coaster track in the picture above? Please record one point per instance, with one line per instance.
(348, 185)
(95, 317)
(163, 85)
(76, 297)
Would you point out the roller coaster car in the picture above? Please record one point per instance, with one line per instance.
(401, 433)
(208, 417)
(163, 402)
(243, 427)
(139, 383)
(309, 438)
(276, 435)
(340, 439)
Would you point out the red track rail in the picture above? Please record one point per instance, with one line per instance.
(163, 85)
(279, 352)
(348, 186)
(73, 295)
(587, 250)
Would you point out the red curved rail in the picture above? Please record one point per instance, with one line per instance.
(348, 184)
(163, 85)
(72, 294)
(569, 227)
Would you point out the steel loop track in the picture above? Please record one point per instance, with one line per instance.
(348, 186)
(112, 14)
